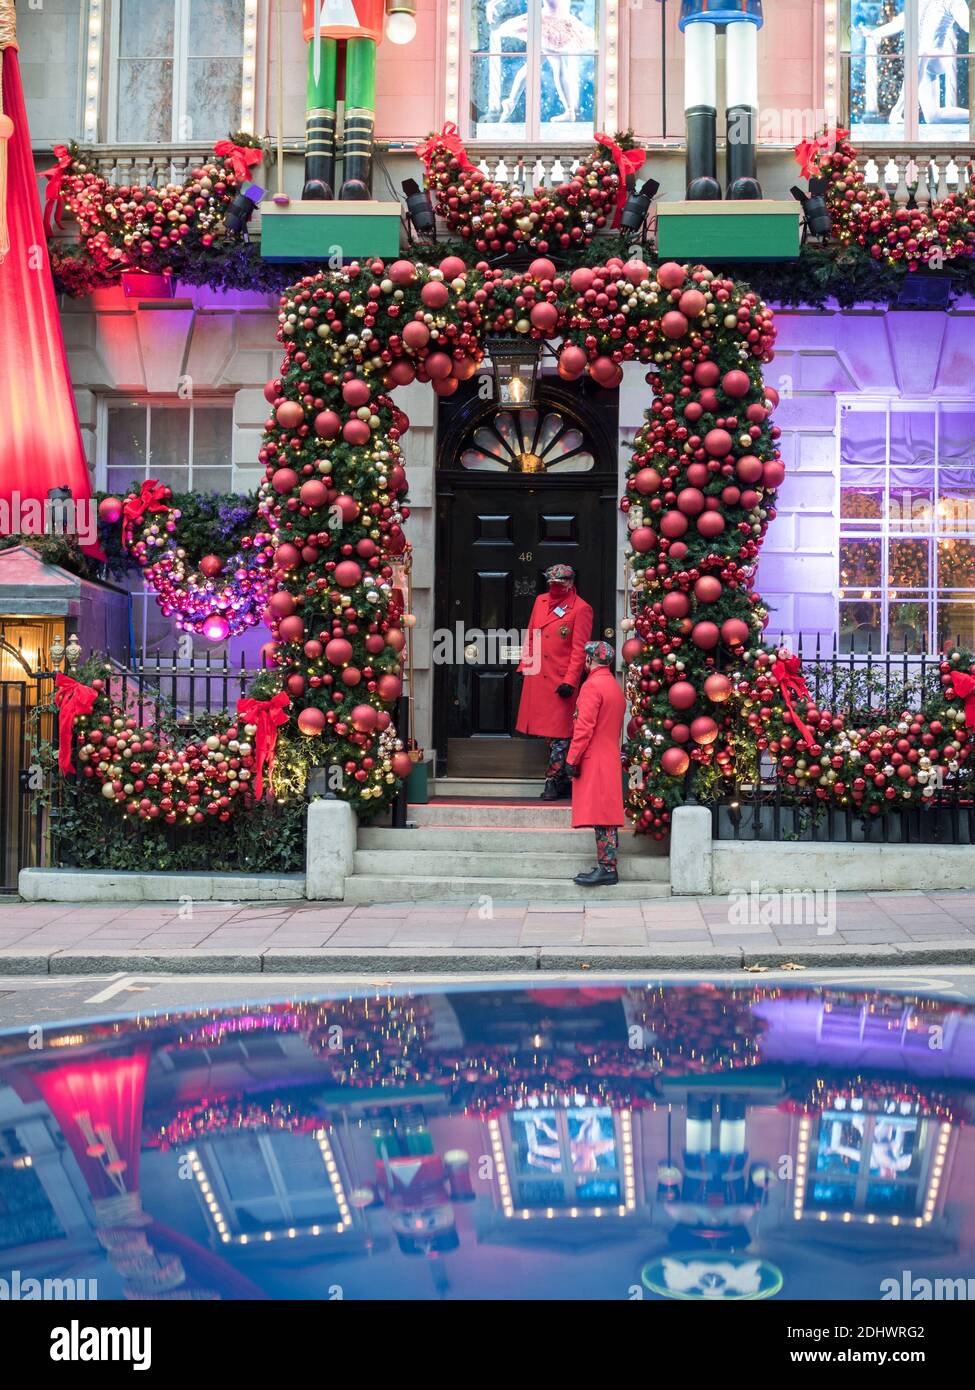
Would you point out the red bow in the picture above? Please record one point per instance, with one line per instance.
(808, 151)
(268, 715)
(52, 195)
(448, 139)
(242, 157)
(627, 162)
(788, 672)
(963, 686)
(151, 498)
(72, 698)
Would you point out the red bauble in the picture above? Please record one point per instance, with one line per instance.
(734, 632)
(773, 475)
(356, 432)
(313, 649)
(676, 604)
(581, 279)
(327, 424)
(313, 493)
(542, 269)
(632, 648)
(673, 524)
(281, 604)
(717, 443)
(717, 687)
(647, 481)
(363, 718)
(356, 393)
(416, 335)
(401, 373)
(272, 390)
(736, 383)
(401, 272)
(284, 480)
(707, 374)
(389, 688)
(708, 589)
(347, 574)
(544, 317)
(396, 639)
(705, 635)
(670, 275)
(438, 366)
(434, 294)
(295, 685)
(675, 762)
(289, 415)
(338, 651)
(375, 642)
(680, 733)
(286, 556)
(402, 764)
(749, 468)
(347, 507)
(692, 303)
(704, 730)
(710, 524)
(674, 324)
(311, 722)
(572, 362)
(211, 565)
(452, 268)
(292, 629)
(682, 695)
(604, 370)
(690, 500)
(351, 676)
(110, 510)
(643, 539)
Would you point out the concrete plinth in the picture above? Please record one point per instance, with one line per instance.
(330, 848)
(691, 852)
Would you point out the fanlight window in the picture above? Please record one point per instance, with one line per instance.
(528, 441)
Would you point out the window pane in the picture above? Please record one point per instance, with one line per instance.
(499, 26)
(240, 1159)
(213, 428)
(862, 494)
(907, 626)
(535, 1138)
(956, 564)
(911, 502)
(859, 626)
(860, 565)
(864, 437)
(956, 499)
(145, 101)
(216, 28)
(567, 76)
(956, 622)
(909, 565)
(126, 446)
(498, 96)
(146, 29)
(912, 437)
(213, 87)
(169, 439)
(876, 69)
(943, 40)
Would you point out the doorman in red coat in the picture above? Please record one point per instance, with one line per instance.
(594, 762)
(552, 662)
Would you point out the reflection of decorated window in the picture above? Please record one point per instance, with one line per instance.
(907, 526)
(906, 69)
(182, 70)
(528, 441)
(532, 73)
(565, 1160)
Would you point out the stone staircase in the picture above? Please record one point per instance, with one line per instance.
(524, 851)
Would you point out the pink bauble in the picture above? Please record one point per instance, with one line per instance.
(673, 524)
(647, 481)
(291, 629)
(581, 279)
(674, 324)
(338, 651)
(286, 556)
(416, 335)
(690, 500)
(731, 495)
(670, 275)
(281, 604)
(643, 539)
(401, 373)
(452, 268)
(632, 648)
(284, 480)
(389, 688)
(717, 688)
(750, 499)
(680, 733)
(636, 272)
(211, 565)
(707, 374)
(465, 368)
(705, 635)
(704, 730)
(756, 414)
(110, 510)
(347, 574)
(771, 395)
(675, 762)
(693, 303)
(327, 424)
(383, 719)
(356, 432)
(351, 676)
(438, 366)
(289, 415)
(313, 493)
(348, 509)
(542, 269)
(363, 718)
(401, 272)
(698, 475)
(544, 317)
(396, 638)
(708, 589)
(434, 294)
(682, 695)
(773, 475)
(677, 550)
(710, 525)
(313, 649)
(356, 393)
(445, 385)
(603, 370)
(572, 362)
(375, 642)
(272, 390)
(749, 468)
(676, 604)
(734, 632)
(311, 722)
(736, 383)
(717, 443)
(295, 684)
(693, 411)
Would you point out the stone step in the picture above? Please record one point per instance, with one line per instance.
(381, 888)
(532, 864)
(528, 788)
(556, 815)
(547, 839)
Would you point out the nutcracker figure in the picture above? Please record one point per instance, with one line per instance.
(740, 21)
(342, 36)
(593, 763)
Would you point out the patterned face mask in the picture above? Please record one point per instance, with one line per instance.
(600, 653)
(560, 574)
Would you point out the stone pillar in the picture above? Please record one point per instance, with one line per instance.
(329, 849)
(691, 852)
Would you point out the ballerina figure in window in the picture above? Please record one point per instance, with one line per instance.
(564, 38)
(939, 23)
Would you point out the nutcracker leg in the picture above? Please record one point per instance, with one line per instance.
(320, 120)
(360, 119)
(742, 110)
(701, 111)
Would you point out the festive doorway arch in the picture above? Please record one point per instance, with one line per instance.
(700, 495)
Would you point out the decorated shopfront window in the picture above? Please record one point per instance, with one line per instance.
(907, 69)
(532, 69)
(528, 441)
(867, 1163)
(181, 70)
(565, 1158)
(264, 1184)
(186, 445)
(907, 527)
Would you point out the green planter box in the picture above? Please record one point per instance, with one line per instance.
(741, 231)
(311, 231)
(418, 785)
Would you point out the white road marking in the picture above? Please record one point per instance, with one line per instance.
(123, 984)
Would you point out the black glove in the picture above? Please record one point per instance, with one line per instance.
(571, 770)
(565, 690)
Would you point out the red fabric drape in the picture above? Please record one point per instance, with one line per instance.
(40, 442)
(104, 1097)
(72, 698)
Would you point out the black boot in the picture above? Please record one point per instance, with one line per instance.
(564, 788)
(550, 791)
(357, 165)
(597, 878)
(742, 181)
(319, 156)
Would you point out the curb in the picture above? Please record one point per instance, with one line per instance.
(452, 960)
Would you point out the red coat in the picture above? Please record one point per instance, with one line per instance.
(561, 642)
(597, 793)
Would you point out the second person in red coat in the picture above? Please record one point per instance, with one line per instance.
(552, 663)
(594, 762)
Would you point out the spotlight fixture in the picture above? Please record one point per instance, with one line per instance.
(401, 21)
(636, 209)
(420, 209)
(242, 208)
(813, 204)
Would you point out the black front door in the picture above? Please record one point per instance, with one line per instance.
(500, 537)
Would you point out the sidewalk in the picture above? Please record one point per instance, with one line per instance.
(871, 929)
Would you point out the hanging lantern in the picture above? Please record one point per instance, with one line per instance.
(514, 362)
